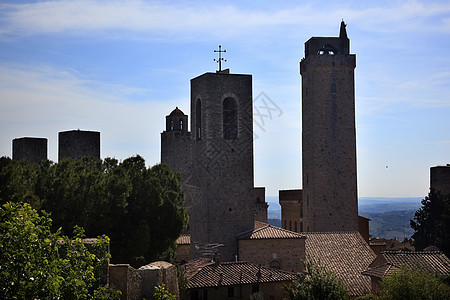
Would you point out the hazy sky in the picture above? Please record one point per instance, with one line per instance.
(119, 67)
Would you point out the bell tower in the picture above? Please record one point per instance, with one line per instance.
(328, 135)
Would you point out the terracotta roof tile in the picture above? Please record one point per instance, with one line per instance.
(235, 273)
(269, 232)
(432, 261)
(184, 239)
(381, 271)
(344, 253)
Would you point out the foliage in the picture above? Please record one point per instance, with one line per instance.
(140, 208)
(431, 223)
(161, 293)
(36, 263)
(413, 285)
(182, 281)
(317, 283)
(257, 296)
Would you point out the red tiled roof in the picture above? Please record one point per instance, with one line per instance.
(184, 239)
(192, 267)
(269, 232)
(432, 261)
(236, 273)
(344, 253)
(381, 271)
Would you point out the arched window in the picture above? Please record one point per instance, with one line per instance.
(290, 225)
(230, 128)
(198, 120)
(275, 264)
(285, 224)
(295, 226)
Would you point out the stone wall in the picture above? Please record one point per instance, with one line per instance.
(141, 283)
(261, 204)
(440, 179)
(291, 209)
(30, 148)
(76, 144)
(329, 135)
(288, 253)
(222, 164)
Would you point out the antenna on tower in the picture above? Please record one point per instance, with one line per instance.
(220, 51)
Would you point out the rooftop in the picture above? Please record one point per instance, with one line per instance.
(266, 231)
(432, 261)
(344, 253)
(235, 273)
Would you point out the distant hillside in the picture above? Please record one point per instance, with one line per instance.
(390, 217)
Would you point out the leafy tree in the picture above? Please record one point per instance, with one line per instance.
(317, 283)
(431, 223)
(140, 208)
(161, 293)
(410, 284)
(36, 263)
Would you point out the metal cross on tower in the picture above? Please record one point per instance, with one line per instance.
(220, 57)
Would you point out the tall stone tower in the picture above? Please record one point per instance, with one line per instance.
(440, 179)
(30, 148)
(222, 170)
(176, 143)
(328, 135)
(75, 144)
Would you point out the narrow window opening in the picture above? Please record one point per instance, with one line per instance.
(198, 120)
(230, 128)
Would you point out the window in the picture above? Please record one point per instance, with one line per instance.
(198, 120)
(171, 124)
(290, 225)
(181, 124)
(295, 226)
(231, 291)
(230, 128)
(255, 288)
(275, 264)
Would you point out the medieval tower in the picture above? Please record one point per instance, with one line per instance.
(215, 160)
(328, 135)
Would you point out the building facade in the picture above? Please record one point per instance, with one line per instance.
(215, 160)
(328, 135)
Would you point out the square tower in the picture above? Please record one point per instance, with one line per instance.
(328, 135)
(222, 157)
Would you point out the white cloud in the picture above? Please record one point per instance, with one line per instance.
(41, 102)
(183, 19)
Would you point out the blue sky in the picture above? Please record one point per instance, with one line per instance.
(119, 67)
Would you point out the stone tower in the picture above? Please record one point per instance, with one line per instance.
(440, 179)
(222, 170)
(30, 148)
(328, 135)
(176, 143)
(75, 144)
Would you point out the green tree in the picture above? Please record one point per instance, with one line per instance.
(161, 293)
(36, 263)
(317, 283)
(431, 223)
(407, 284)
(140, 208)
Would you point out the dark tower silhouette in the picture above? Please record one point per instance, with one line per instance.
(440, 179)
(76, 144)
(30, 148)
(328, 135)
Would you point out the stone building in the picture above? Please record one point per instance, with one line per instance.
(291, 203)
(328, 135)
(76, 144)
(29, 148)
(440, 179)
(235, 280)
(273, 247)
(215, 161)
